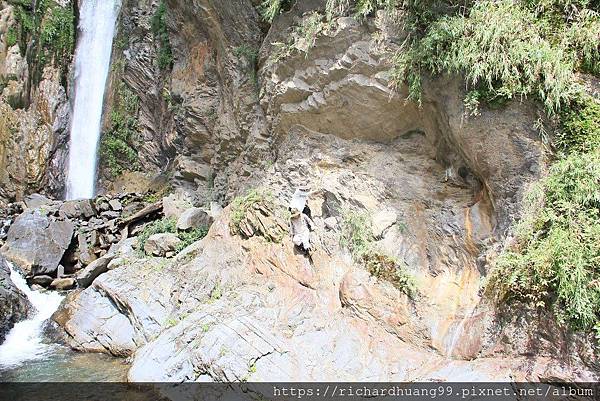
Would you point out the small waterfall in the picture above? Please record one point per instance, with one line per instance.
(92, 62)
(24, 342)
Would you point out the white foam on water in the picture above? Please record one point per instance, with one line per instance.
(25, 341)
(97, 20)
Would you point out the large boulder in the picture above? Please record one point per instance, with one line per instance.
(13, 303)
(175, 204)
(194, 218)
(77, 209)
(93, 270)
(37, 243)
(161, 244)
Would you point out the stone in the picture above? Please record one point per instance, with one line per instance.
(110, 214)
(62, 284)
(85, 256)
(160, 244)
(76, 209)
(13, 303)
(330, 223)
(37, 243)
(175, 204)
(126, 247)
(43, 280)
(36, 201)
(93, 270)
(215, 210)
(382, 221)
(115, 205)
(194, 218)
(189, 169)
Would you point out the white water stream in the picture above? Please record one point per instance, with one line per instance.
(25, 341)
(97, 20)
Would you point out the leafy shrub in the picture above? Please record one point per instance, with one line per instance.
(11, 37)
(161, 34)
(52, 25)
(156, 227)
(391, 270)
(357, 236)
(269, 9)
(302, 39)
(169, 225)
(189, 237)
(499, 47)
(580, 125)
(556, 261)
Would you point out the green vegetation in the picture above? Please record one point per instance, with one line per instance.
(156, 227)
(357, 236)
(117, 151)
(54, 27)
(170, 226)
(258, 214)
(189, 237)
(269, 9)
(250, 57)
(216, 293)
(303, 37)
(161, 34)
(556, 260)
(580, 126)
(11, 37)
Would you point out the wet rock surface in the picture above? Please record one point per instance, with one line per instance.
(13, 303)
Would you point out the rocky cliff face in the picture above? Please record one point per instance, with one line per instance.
(278, 112)
(221, 106)
(34, 113)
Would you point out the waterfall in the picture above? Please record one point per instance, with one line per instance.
(24, 342)
(97, 20)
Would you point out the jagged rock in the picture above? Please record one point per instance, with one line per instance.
(77, 209)
(190, 170)
(43, 280)
(110, 214)
(126, 247)
(330, 223)
(13, 303)
(33, 135)
(85, 254)
(93, 270)
(36, 201)
(215, 210)
(261, 221)
(102, 204)
(115, 205)
(194, 218)
(63, 284)
(175, 204)
(37, 243)
(160, 244)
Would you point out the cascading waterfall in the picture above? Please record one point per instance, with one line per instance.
(92, 62)
(25, 341)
